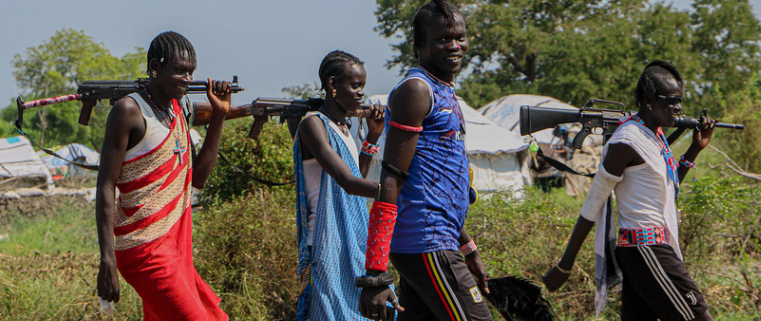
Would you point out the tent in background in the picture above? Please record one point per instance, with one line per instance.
(505, 112)
(74, 152)
(20, 166)
(497, 156)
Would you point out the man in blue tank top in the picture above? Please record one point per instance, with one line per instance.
(418, 217)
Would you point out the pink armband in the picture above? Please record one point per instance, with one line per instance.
(379, 232)
(405, 127)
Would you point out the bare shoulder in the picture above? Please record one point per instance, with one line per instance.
(310, 126)
(410, 102)
(620, 156)
(126, 110)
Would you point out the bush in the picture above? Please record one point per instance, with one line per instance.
(269, 158)
(246, 250)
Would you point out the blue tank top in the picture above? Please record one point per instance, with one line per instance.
(433, 201)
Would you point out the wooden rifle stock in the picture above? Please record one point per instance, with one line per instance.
(289, 110)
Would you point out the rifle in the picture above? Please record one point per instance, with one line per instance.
(90, 92)
(289, 110)
(533, 119)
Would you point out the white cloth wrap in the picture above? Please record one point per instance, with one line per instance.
(647, 145)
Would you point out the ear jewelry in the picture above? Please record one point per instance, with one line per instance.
(334, 93)
(649, 107)
(153, 74)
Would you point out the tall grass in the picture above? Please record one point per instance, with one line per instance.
(49, 263)
(246, 250)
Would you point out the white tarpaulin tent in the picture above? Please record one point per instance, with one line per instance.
(18, 160)
(505, 112)
(497, 156)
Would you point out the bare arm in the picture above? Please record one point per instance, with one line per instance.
(618, 157)
(375, 123)
(219, 96)
(314, 141)
(474, 263)
(700, 139)
(124, 128)
(409, 105)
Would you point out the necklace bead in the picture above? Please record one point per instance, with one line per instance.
(165, 115)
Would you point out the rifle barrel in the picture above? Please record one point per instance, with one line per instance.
(692, 122)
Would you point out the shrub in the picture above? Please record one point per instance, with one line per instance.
(269, 158)
(246, 250)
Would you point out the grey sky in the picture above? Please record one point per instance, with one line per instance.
(269, 44)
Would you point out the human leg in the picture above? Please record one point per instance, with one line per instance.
(441, 281)
(658, 276)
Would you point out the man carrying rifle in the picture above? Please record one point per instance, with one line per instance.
(146, 155)
(425, 173)
(638, 164)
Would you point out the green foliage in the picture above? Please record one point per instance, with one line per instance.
(246, 250)
(303, 92)
(49, 262)
(269, 158)
(57, 67)
(576, 50)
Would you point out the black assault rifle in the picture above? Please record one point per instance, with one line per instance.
(90, 92)
(288, 110)
(594, 120)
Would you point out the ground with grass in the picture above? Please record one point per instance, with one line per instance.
(246, 250)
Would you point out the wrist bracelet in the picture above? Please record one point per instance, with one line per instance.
(367, 281)
(564, 271)
(468, 248)
(369, 149)
(684, 162)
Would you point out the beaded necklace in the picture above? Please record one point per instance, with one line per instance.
(165, 115)
(341, 125)
(668, 157)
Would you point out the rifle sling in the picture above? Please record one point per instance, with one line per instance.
(256, 179)
(561, 166)
(54, 154)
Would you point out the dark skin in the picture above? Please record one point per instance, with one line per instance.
(441, 54)
(656, 112)
(314, 135)
(125, 128)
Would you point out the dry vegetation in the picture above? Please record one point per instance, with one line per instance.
(245, 248)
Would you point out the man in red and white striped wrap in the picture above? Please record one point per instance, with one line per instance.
(146, 154)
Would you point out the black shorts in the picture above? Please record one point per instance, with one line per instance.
(438, 286)
(656, 285)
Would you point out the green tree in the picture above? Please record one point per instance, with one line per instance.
(576, 50)
(57, 67)
(303, 92)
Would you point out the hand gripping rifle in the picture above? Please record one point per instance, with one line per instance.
(288, 110)
(90, 92)
(594, 121)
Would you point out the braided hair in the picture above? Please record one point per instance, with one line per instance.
(334, 65)
(424, 16)
(167, 47)
(655, 76)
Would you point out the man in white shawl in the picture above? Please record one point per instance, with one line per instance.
(639, 166)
